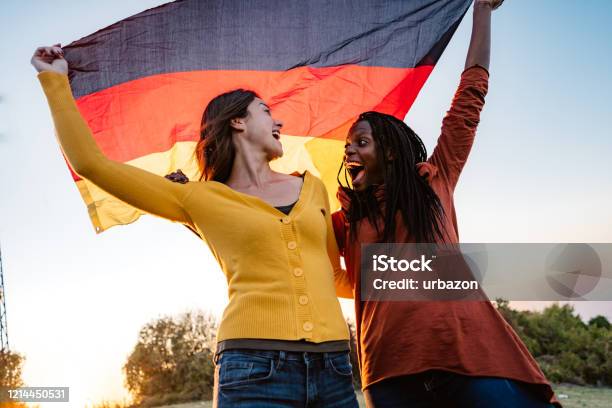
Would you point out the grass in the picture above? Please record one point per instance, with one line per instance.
(575, 396)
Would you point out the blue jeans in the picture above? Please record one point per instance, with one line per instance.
(441, 389)
(279, 379)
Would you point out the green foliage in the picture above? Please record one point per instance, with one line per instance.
(566, 349)
(173, 360)
(600, 321)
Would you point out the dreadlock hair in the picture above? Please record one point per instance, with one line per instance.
(215, 151)
(405, 190)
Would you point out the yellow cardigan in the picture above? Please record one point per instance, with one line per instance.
(281, 269)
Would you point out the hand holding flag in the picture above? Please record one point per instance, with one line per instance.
(50, 59)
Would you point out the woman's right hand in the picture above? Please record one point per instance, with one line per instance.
(50, 59)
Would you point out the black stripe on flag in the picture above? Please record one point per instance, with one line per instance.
(268, 35)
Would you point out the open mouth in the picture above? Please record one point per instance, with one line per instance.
(356, 171)
(276, 134)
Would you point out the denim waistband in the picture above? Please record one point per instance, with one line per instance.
(305, 356)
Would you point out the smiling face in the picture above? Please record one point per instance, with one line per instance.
(361, 157)
(260, 130)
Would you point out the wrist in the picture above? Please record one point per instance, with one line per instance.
(484, 5)
(483, 11)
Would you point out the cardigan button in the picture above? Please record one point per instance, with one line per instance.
(292, 245)
(286, 220)
(298, 271)
(308, 326)
(303, 300)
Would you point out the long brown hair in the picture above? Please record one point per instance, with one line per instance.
(215, 151)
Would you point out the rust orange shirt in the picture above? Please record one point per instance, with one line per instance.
(465, 337)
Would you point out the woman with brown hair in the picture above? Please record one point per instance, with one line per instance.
(282, 341)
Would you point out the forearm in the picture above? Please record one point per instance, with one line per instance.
(479, 52)
(460, 124)
(141, 189)
(73, 133)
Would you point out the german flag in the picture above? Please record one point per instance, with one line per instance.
(143, 82)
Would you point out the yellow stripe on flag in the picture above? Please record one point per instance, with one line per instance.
(321, 157)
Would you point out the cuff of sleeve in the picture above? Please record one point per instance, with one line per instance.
(476, 71)
(56, 88)
(50, 77)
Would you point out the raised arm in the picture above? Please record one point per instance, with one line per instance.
(460, 123)
(479, 52)
(144, 190)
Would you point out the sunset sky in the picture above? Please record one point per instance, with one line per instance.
(540, 171)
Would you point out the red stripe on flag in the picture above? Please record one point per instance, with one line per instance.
(150, 114)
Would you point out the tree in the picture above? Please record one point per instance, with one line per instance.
(10, 369)
(600, 321)
(173, 360)
(566, 349)
(10, 374)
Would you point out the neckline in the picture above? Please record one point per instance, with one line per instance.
(261, 203)
(280, 207)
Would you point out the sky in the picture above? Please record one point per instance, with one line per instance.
(539, 172)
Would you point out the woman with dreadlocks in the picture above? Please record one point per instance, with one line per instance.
(427, 353)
